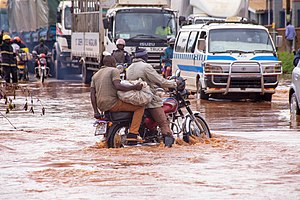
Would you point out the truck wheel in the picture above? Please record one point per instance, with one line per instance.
(86, 74)
(58, 70)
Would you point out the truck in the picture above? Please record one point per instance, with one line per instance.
(136, 22)
(141, 18)
(202, 11)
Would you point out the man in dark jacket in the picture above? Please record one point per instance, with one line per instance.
(9, 62)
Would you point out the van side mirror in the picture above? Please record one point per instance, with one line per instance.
(201, 45)
(279, 41)
(182, 20)
(58, 16)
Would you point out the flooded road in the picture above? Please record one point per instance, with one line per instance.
(254, 153)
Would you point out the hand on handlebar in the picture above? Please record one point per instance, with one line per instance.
(138, 86)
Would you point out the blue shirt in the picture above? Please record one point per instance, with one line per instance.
(290, 32)
(167, 57)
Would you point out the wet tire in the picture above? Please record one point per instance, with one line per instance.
(267, 97)
(195, 130)
(58, 70)
(117, 135)
(294, 105)
(200, 91)
(86, 74)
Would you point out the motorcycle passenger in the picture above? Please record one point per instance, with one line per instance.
(8, 63)
(140, 69)
(22, 56)
(167, 57)
(37, 50)
(104, 86)
(120, 54)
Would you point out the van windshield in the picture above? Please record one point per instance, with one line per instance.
(132, 25)
(239, 40)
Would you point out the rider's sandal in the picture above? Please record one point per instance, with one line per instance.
(133, 139)
(169, 141)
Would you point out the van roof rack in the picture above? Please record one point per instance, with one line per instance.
(233, 20)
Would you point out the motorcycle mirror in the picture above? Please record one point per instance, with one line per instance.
(177, 73)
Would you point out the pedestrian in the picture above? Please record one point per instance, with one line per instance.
(140, 69)
(104, 86)
(290, 35)
(9, 62)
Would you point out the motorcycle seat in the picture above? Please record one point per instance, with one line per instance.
(119, 116)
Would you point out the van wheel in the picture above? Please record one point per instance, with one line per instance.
(200, 91)
(267, 97)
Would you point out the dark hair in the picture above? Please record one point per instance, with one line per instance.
(109, 61)
(288, 23)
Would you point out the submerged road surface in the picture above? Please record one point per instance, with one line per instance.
(254, 153)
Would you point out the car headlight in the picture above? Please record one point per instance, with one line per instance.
(273, 69)
(209, 68)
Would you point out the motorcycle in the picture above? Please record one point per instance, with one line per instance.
(42, 69)
(115, 125)
(22, 60)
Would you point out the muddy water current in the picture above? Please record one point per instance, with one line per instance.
(254, 152)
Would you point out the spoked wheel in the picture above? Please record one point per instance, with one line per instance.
(198, 128)
(42, 75)
(117, 136)
(294, 106)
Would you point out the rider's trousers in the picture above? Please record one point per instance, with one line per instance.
(137, 115)
(160, 117)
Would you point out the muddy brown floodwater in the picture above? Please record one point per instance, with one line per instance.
(254, 153)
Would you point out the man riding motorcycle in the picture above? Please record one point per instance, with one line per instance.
(120, 54)
(104, 86)
(140, 69)
(40, 49)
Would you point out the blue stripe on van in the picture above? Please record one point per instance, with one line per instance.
(190, 68)
(220, 58)
(265, 58)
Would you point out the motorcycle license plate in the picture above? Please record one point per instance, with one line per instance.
(100, 128)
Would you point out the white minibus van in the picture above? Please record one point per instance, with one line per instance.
(227, 59)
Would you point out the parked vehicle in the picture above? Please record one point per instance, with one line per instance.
(115, 125)
(294, 93)
(235, 59)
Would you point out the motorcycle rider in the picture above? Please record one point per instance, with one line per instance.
(39, 49)
(9, 62)
(120, 54)
(104, 86)
(140, 69)
(167, 57)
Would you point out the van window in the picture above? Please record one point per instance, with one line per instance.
(181, 41)
(192, 42)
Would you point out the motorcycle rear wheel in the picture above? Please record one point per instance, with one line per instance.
(117, 135)
(193, 129)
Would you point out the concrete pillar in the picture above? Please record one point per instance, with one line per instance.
(277, 7)
(295, 8)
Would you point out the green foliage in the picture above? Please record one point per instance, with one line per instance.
(287, 61)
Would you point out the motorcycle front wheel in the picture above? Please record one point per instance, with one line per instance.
(117, 135)
(197, 127)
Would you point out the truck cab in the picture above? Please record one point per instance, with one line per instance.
(146, 25)
(62, 47)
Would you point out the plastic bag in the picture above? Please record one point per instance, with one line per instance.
(139, 98)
